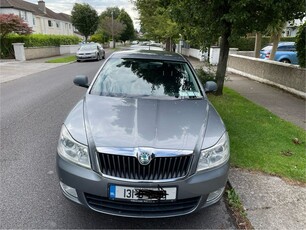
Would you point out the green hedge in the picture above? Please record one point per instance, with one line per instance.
(301, 45)
(35, 40)
(248, 43)
(38, 40)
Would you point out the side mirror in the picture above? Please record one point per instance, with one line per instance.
(210, 86)
(81, 80)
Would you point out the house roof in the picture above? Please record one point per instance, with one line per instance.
(27, 6)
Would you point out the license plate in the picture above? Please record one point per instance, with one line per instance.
(142, 194)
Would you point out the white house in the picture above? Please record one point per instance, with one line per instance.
(291, 28)
(41, 19)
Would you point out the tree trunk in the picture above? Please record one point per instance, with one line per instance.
(221, 68)
(257, 44)
(168, 44)
(275, 40)
(276, 35)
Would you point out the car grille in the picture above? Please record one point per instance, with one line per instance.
(160, 168)
(128, 208)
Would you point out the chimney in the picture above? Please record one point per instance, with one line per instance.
(42, 6)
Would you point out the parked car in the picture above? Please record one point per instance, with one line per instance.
(90, 51)
(286, 52)
(144, 141)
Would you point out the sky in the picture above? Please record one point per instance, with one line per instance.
(65, 6)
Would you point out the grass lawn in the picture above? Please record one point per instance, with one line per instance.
(260, 140)
(62, 59)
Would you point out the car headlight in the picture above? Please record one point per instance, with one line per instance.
(72, 150)
(216, 155)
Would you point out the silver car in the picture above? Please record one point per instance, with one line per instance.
(90, 51)
(144, 141)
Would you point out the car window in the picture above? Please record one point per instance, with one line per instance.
(138, 77)
(88, 47)
(267, 48)
(286, 48)
(291, 48)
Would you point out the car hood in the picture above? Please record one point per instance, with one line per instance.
(134, 122)
(142, 122)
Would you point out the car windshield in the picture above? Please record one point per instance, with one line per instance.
(267, 48)
(146, 78)
(88, 47)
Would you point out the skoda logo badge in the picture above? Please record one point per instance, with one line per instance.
(144, 158)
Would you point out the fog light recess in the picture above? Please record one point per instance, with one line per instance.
(215, 195)
(69, 190)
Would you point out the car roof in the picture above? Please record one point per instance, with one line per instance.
(149, 54)
(282, 44)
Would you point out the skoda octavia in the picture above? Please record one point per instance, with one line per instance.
(144, 141)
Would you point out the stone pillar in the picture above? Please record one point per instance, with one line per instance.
(214, 55)
(19, 51)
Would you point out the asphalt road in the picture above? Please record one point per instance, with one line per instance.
(32, 110)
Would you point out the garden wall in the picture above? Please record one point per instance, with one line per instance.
(285, 76)
(29, 53)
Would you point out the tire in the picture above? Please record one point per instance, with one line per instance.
(98, 57)
(285, 61)
(103, 56)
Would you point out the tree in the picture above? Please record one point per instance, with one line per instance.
(112, 27)
(276, 32)
(10, 23)
(301, 45)
(110, 24)
(207, 20)
(85, 19)
(277, 13)
(129, 32)
(123, 24)
(155, 20)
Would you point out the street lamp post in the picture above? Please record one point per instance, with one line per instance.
(113, 29)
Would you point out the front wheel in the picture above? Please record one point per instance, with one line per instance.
(285, 61)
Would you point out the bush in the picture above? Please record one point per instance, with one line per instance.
(36, 40)
(301, 45)
(205, 76)
(99, 38)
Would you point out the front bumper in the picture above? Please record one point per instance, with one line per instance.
(192, 192)
(86, 57)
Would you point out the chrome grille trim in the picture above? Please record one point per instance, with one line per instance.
(166, 167)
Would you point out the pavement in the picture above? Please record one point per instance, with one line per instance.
(270, 202)
(11, 69)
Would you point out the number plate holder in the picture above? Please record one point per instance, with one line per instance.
(142, 194)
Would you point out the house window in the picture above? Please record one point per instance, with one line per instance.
(58, 24)
(23, 15)
(69, 26)
(50, 23)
